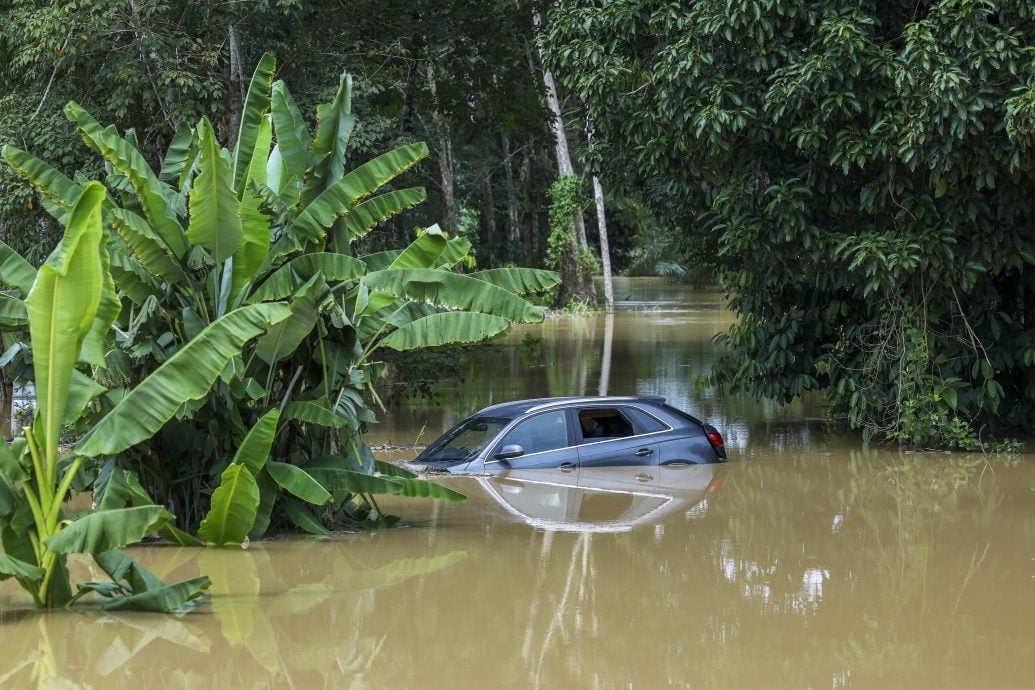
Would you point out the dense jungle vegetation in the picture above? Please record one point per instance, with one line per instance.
(857, 174)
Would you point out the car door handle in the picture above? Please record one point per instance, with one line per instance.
(566, 466)
(644, 477)
(644, 452)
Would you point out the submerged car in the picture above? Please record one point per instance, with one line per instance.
(574, 433)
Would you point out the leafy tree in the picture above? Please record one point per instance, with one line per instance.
(217, 232)
(866, 170)
(70, 305)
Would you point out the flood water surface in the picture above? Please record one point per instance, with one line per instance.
(805, 562)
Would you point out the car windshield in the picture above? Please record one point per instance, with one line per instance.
(466, 439)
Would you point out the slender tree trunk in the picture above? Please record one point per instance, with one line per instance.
(513, 210)
(6, 404)
(605, 252)
(605, 361)
(238, 95)
(564, 166)
(445, 156)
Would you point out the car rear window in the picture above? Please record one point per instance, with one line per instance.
(645, 421)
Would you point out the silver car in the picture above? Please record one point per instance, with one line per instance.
(573, 434)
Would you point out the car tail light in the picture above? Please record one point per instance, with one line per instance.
(715, 438)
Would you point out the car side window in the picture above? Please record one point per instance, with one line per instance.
(546, 431)
(603, 424)
(646, 422)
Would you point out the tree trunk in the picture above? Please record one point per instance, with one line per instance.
(605, 362)
(584, 288)
(513, 210)
(564, 166)
(605, 252)
(238, 95)
(445, 157)
(6, 405)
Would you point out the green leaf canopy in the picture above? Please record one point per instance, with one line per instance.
(187, 375)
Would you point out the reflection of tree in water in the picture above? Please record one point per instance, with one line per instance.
(291, 621)
(553, 620)
(909, 515)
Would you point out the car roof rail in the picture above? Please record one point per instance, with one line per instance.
(601, 399)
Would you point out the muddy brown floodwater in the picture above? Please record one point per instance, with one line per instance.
(805, 562)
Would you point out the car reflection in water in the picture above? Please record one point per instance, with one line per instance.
(615, 499)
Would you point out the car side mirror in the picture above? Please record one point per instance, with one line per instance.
(511, 450)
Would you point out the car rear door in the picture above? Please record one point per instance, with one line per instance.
(609, 440)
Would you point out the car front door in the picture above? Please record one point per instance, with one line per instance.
(545, 441)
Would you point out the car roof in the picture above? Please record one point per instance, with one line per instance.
(520, 407)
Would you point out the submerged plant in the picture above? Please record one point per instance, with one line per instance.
(70, 306)
(270, 224)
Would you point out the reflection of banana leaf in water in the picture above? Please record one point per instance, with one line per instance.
(303, 598)
(395, 572)
(236, 589)
(109, 641)
(129, 635)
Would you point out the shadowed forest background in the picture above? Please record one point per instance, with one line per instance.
(858, 176)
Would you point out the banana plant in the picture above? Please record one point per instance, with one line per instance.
(272, 221)
(70, 308)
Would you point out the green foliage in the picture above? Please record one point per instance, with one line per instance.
(866, 171)
(65, 303)
(575, 264)
(248, 324)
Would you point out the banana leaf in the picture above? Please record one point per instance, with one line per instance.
(298, 482)
(378, 261)
(363, 217)
(162, 600)
(293, 139)
(12, 312)
(424, 251)
(334, 124)
(94, 346)
(159, 202)
(283, 338)
(215, 213)
(15, 271)
(289, 277)
(179, 155)
(254, 450)
(12, 567)
(340, 481)
(445, 328)
(234, 504)
(339, 198)
(256, 105)
(51, 183)
(61, 306)
(453, 290)
(303, 518)
(108, 529)
(422, 488)
(390, 470)
(187, 375)
(255, 225)
(121, 567)
(148, 248)
(312, 413)
(520, 281)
